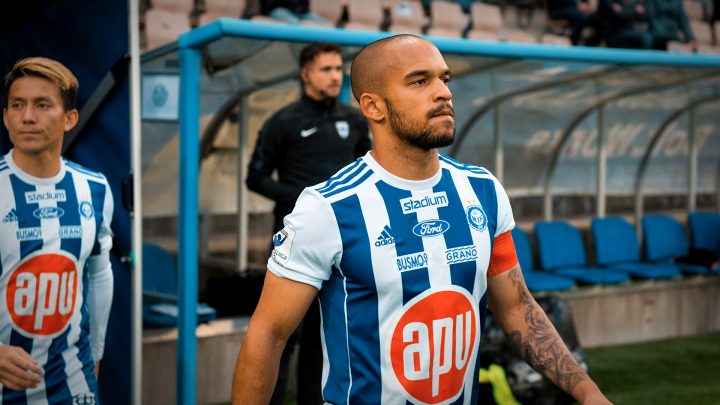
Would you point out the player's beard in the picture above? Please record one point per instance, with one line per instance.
(421, 135)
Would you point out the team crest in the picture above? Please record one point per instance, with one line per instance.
(476, 217)
(86, 209)
(343, 129)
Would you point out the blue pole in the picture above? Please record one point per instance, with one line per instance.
(188, 224)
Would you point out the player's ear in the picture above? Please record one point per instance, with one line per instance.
(373, 107)
(71, 118)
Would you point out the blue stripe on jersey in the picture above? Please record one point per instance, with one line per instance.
(462, 274)
(414, 281)
(487, 194)
(72, 215)
(83, 169)
(56, 387)
(17, 397)
(337, 178)
(24, 211)
(97, 192)
(340, 188)
(362, 321)
(463, 166)
(336, 338)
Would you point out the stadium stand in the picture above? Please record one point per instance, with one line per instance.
(215, 9)
(448, 19)
(331, 10)
(537, 281)
(164, 26)
(407, 17)
(487, 22)
(488, 25)
(665, 241)
(562, 251)
(364, 15)
(617, 248)
(160, 290)
(555, 39)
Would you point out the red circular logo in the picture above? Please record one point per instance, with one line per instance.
(433, 343)
(41, 293)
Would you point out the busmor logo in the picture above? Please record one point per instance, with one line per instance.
(41, 294)
(432, 344)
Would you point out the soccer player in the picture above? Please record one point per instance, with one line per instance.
(56, 282)
(406, 247)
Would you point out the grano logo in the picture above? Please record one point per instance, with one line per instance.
(433, 343)
(41, 294)
(413, 204)
(461, 254)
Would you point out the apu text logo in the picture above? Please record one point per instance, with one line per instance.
(41, 294)
(432, 345)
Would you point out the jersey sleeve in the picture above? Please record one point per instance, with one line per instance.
(100, 281)
(503, 256)
(309, 245)
(505, 220)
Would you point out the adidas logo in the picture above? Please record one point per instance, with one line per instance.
(10, 217)
(386, 237)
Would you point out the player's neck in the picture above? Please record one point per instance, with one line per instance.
(43, 165)
(404, 161)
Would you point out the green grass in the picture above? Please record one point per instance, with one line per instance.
(668, 372)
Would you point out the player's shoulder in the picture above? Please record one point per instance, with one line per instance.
(4, 167)
(347, 181)
(84, 171)
(465, 168)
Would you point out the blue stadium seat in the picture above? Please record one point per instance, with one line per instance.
(561, 250)
(160, 290)
(536, 281)
(665, 242)
(616, 247)
(705, 231)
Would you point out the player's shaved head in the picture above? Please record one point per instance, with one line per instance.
(372, 64)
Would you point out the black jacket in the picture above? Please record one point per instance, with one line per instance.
(306, 142)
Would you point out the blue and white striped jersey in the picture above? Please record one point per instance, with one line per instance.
(402, 269)
(54, 236)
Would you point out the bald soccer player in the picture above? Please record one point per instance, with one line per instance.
(403, 248)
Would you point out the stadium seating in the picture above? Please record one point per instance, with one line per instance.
(215, 9)
(554, 39)
(705, 231)
(364, 15)
(448, 19)
(406, 17)
(665, 241)
(488, 25)
(165, 21)
(616, 247)
(331, 10)
(160, 290)
(536, 281)
(562, 251)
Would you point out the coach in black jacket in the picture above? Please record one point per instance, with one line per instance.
(307, 141)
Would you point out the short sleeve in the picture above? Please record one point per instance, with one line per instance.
(309, 244)
(505, 220)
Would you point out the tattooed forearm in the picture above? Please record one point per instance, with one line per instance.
(541, 346)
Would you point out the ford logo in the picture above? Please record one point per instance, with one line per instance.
(48, 213)
(431, 227)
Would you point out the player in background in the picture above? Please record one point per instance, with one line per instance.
(56, 282)
(406, 247)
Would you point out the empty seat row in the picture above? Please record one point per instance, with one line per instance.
(667, 253)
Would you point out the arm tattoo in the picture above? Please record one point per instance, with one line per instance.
(542, 348)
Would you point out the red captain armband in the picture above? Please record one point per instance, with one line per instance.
(503, 256)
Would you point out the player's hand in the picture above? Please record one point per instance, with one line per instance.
(18, 371)
(97, 369)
